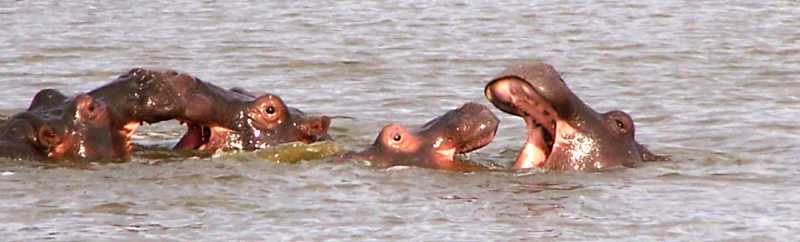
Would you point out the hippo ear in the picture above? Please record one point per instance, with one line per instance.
(315, 126)
(46, 137)
(88, 108)
(267, 111)
(47, 98)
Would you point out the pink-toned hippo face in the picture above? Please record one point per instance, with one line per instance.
(437, 143)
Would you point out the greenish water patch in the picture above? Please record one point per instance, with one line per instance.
(296, 151)
(291, 153)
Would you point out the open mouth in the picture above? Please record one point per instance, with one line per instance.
(195, 137)
(540, 142)
(198, 137)
(518, 98)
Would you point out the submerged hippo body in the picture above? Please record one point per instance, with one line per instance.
(563, 132)
(59, 128)
(216, 118)
(436, 143)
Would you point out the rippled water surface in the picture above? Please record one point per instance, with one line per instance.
(714, 84)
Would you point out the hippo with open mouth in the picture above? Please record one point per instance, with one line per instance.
(436, 143)
(269, 121)
(56, 127)
(216, 118)
(563, 132)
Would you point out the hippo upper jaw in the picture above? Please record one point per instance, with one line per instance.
(517, 97)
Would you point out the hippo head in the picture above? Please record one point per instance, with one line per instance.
(57, 128)
(435, 144)
(563, 132)
(262, 122)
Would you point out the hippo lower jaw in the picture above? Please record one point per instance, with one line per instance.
(542, 143)
(58, 152)
(447, 155)
(536, 149)
(212, 138)
(126, 134)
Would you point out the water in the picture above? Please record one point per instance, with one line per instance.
(714, 84)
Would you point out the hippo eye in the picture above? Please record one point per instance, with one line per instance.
(397, 137)
(621, 127)
(270, 110)
(619, 122)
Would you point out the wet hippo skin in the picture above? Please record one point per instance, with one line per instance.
(216, 118)
(563, 132)
(436, 143)
(55, 127)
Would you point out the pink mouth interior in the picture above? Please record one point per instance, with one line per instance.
(517, 97)
(198, 137)
(194, 138)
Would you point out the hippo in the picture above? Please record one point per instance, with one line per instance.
(563, 132)
(267, 120)
(55, 127)
(216, 118)
(435, 144)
